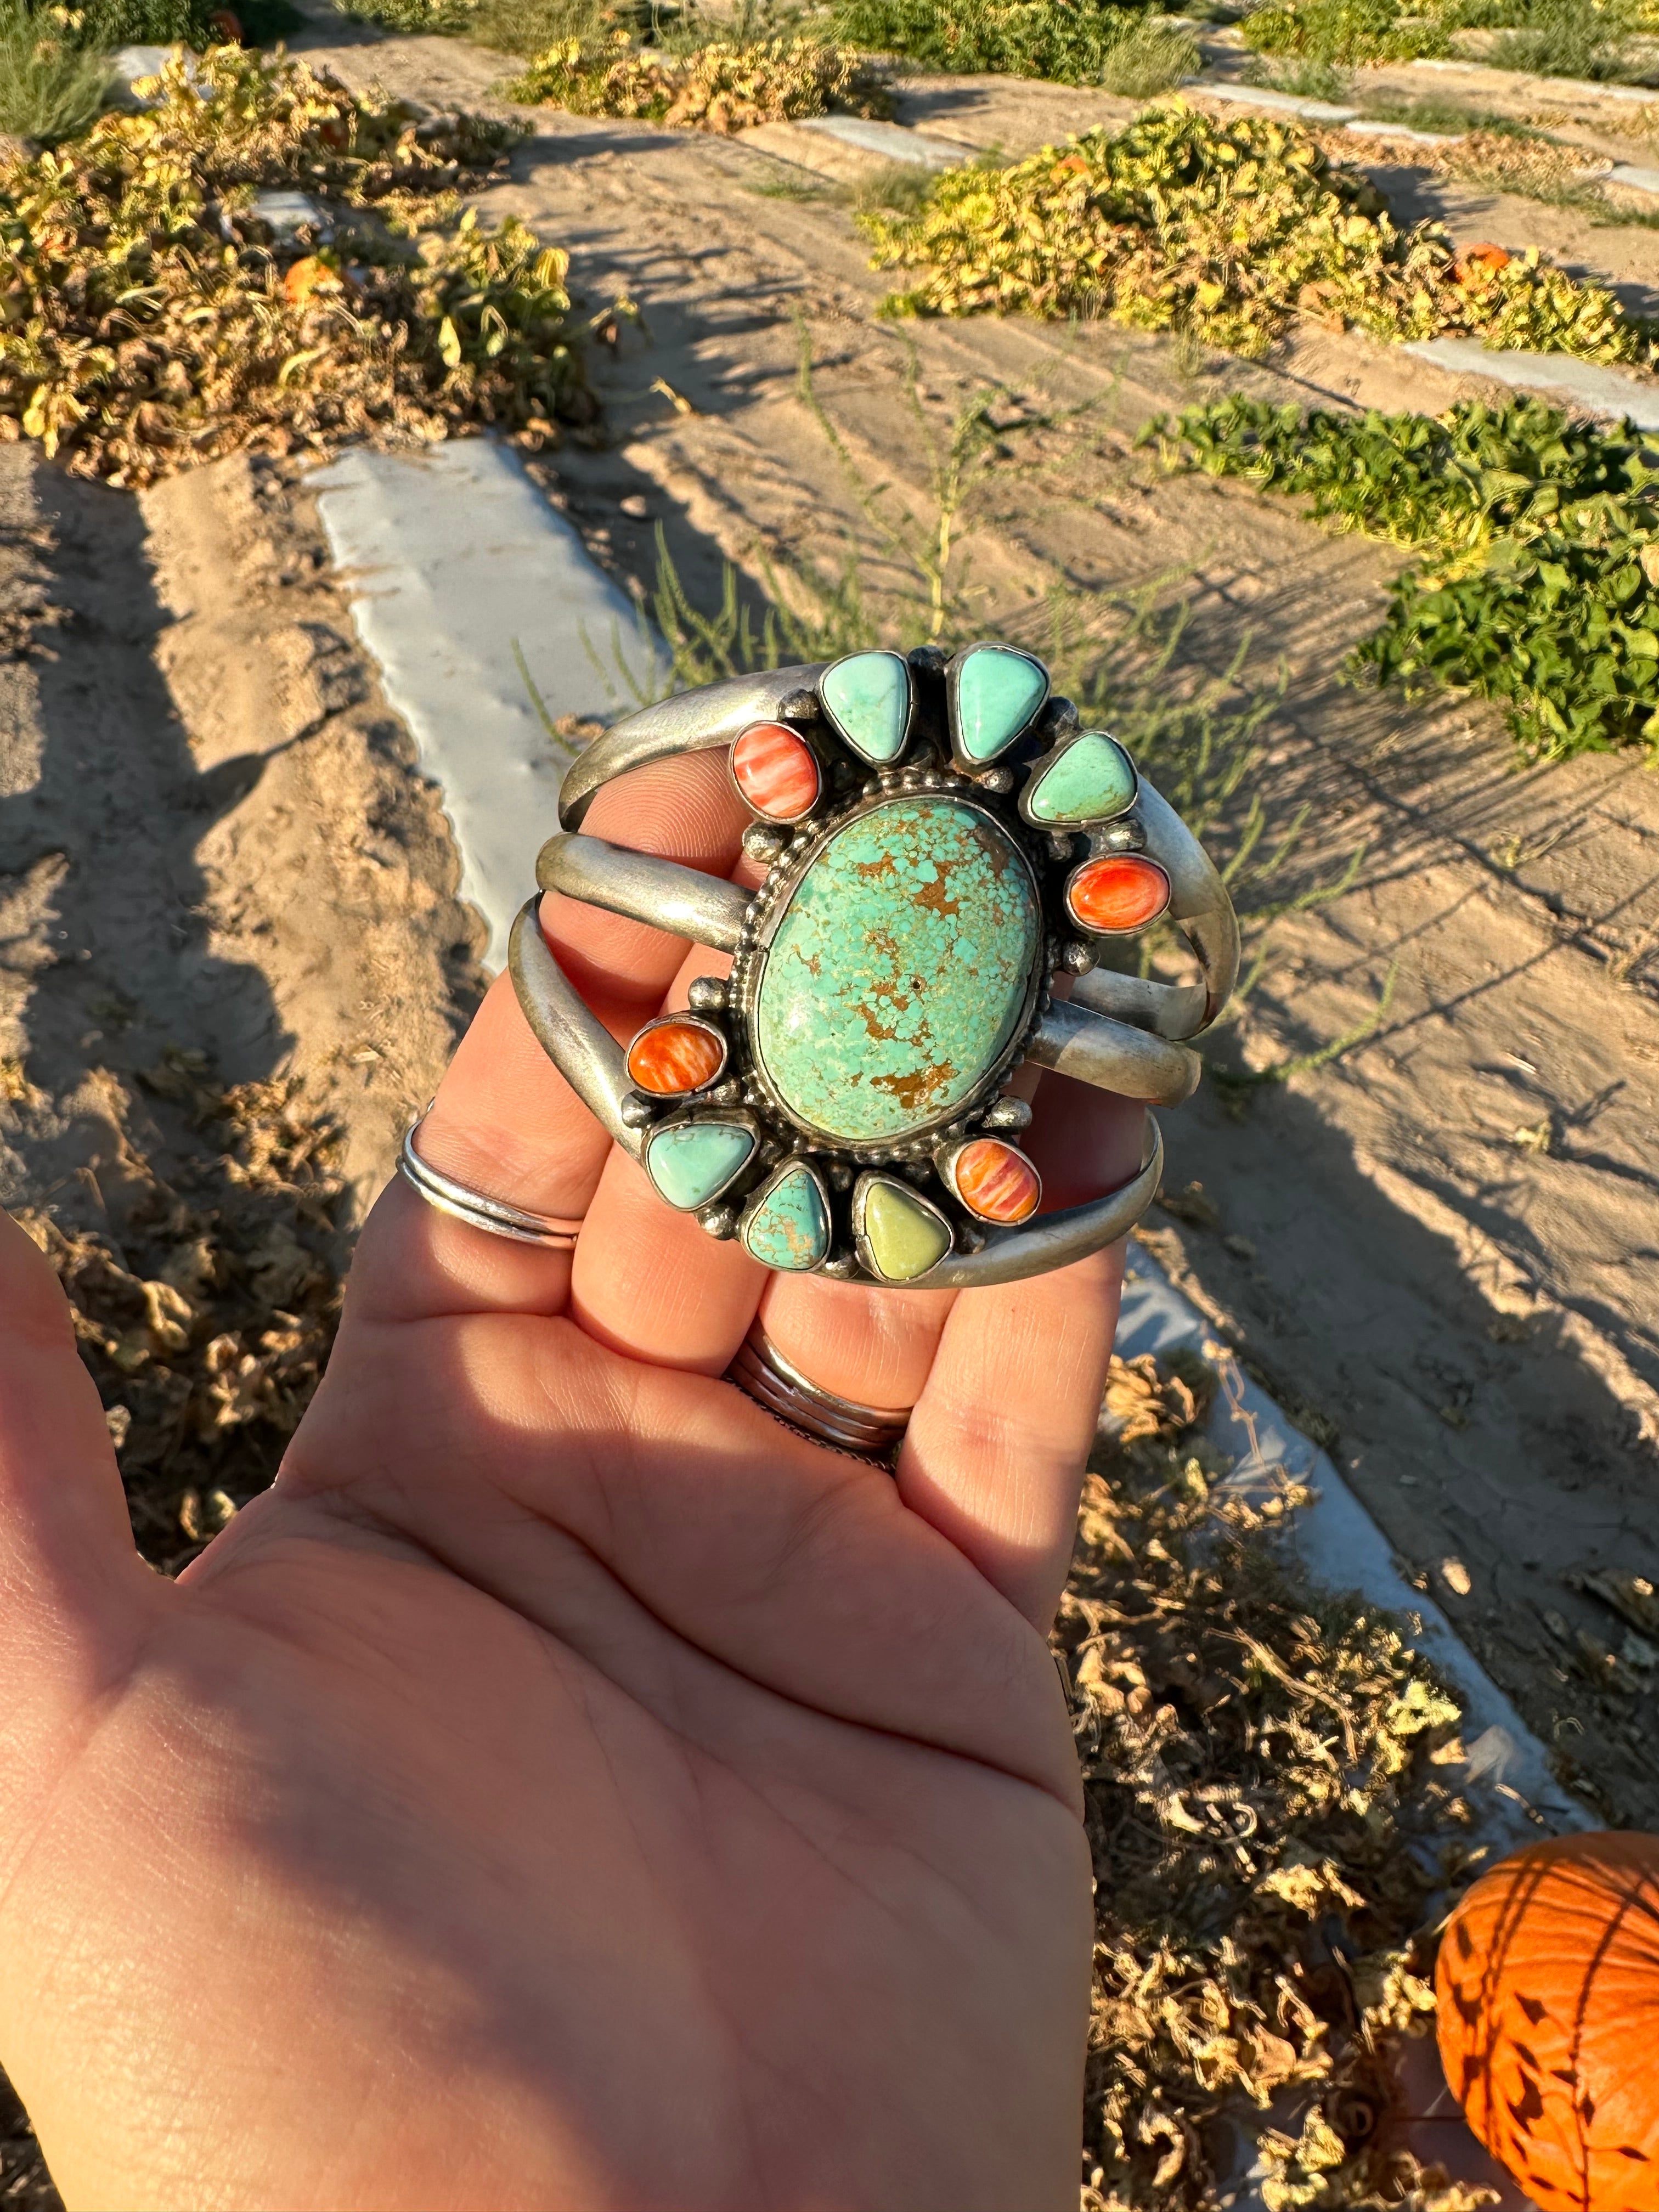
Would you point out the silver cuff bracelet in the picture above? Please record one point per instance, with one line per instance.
(944, 844)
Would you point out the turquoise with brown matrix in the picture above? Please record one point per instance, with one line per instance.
(900, 971)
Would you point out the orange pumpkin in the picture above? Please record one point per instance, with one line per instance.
(1477, 263)
(1548, 1994)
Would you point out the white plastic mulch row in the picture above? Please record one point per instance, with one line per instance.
(463, 580)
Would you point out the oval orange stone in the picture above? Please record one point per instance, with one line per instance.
(995, 1182)
(675, 1055)
(774, 768)
(1119, 891)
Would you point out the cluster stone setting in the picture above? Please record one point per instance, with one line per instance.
(925, 827)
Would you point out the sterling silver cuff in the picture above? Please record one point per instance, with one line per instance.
(948, 855)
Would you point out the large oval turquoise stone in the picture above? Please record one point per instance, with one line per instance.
(898, 973)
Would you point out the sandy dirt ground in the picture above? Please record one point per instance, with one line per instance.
(211, 838)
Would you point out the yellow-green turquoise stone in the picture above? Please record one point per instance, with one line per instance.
(898, 973)
(867, 697)
(789, 1226)
(1092, 780)
(904, 1236)
(693, 1163)
(997, 692)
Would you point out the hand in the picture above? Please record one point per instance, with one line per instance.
(567, 1786)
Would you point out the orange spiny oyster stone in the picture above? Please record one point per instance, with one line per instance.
(774, 768)
(1117, 892)
(674, 1055)
(995, 1182)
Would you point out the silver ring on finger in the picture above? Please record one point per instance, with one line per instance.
(944, 846)
(497, 1216)
(762, 1373)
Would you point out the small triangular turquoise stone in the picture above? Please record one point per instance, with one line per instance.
(998, 691)
(867, 697)
(790, 1226)
(1092, 780)
(906, 1239)
(692, 1162)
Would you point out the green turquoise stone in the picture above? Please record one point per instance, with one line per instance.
(997, 692)
(789, 1226)
(905, 1237)
(899, 970)
(692, 1162)
(1092, 780)
(867, 697)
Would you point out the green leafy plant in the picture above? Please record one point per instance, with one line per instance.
(719, 87)
(51, 88)
(1343, 32)
(1228, 230)
(1069, 41)
(1540, 589)
(147, 320)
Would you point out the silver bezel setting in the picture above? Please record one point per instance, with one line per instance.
(791, 1164)
(964, 759)
(1090, 929)
(922, 1199)
(701, 1110)
(952, 1154)
(852, 745)
(1041, 767)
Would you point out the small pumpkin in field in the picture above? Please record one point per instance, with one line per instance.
(1547, 1989)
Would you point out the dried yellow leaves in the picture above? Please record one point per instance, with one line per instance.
(1231, 230)
(149, 320)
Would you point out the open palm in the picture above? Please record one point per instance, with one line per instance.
(567, 1786)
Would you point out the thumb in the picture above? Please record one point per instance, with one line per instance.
(74, 1593)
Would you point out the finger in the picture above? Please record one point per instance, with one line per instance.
(504, 1121)
(74, 1595)
(875, 1347)
(653, 1283)
(866, 1345)
(994, 1453)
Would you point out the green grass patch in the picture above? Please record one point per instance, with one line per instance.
(50, 87)
(1230, 232)
(1540, 586)
(1304, 79)
(1148, 57)
(1067, 41)
(1552, 38)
